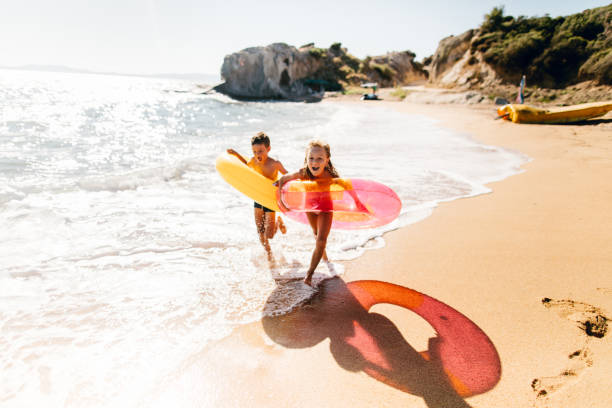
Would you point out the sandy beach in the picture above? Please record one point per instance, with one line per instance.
(517, 283)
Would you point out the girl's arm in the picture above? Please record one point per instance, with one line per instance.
(286, 178)
(280, 182)
(235, 153)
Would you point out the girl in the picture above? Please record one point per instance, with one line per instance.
(317, 166)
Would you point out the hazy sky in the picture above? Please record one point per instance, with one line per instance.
(181, 36)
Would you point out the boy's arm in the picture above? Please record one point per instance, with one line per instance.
(235, 153)
(281, 168)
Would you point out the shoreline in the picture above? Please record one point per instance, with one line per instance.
(541, 234)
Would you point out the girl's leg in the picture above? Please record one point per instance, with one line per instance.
(323, 226)
(312, 220)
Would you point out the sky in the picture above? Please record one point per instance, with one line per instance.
(193, 36)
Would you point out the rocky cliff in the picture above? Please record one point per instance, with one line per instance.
(550, 52)
(281, 71)
(271, 72)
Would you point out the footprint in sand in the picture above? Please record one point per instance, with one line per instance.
(579, 360)
(594, 323)
(589, 318)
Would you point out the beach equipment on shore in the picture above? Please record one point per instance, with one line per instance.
(370, 97)
(356, 203)
(518, 113)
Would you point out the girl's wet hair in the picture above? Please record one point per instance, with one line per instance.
(330, 167)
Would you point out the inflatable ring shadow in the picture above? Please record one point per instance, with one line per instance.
(461, 361)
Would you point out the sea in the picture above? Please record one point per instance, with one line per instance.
(123, 253)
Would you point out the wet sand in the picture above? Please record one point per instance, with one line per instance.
(503, 298)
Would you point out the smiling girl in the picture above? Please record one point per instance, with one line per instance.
(317, 166)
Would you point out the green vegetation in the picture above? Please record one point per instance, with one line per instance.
(547, 98)
(552, 52)
(351, 61)
(399, 93)
(598, 66)
(383, 70)
(352, 90)
(318, 53)
(336, 47)
(337, 69)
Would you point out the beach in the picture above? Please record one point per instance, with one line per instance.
(528, 264)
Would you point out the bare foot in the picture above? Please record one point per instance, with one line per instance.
(271, 259)
(271, 262)
(308, 280)
(281, 225)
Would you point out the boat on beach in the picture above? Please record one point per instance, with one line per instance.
(519, 113)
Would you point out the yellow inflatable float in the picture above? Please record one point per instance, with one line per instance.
(566, 114)
(247, 181)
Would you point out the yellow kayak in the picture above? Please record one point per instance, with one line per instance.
(566, 114)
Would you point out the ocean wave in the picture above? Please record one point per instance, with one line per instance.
(141, 178)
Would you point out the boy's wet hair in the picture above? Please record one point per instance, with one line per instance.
(260, 138)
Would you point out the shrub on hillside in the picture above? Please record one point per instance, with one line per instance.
(598, 67)
(551, 51)
(384, 70)
(318, 53)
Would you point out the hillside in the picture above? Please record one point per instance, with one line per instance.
(565, 59)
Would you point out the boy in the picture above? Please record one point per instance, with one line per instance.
(265, 219)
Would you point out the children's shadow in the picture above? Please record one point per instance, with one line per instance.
(461, 360)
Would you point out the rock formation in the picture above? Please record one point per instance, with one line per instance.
(271, 72)
(454, 65)
(394, 69)
(450, 50)
(280, 71)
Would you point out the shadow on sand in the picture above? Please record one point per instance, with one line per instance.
(461, 361)
(590, 122)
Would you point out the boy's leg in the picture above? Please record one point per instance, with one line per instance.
(261, 229)
(281, 225)
(270, 224)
